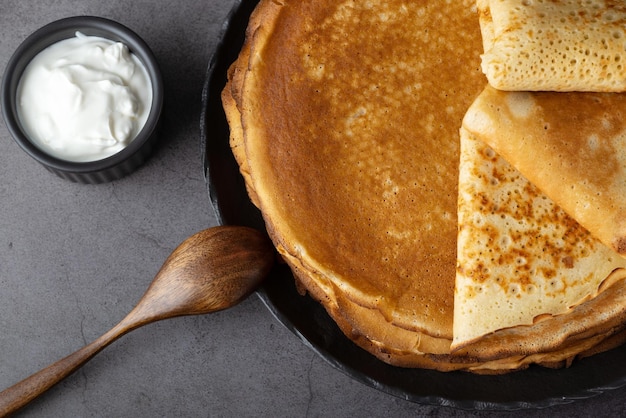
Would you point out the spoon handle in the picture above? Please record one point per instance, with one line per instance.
(20, 394)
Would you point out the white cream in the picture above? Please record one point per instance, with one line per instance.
(84, 98)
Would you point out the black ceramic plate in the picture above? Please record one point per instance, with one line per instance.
(533, 388)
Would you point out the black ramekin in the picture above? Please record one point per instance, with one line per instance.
(107, 169)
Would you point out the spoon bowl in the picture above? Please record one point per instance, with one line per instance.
(210, 271)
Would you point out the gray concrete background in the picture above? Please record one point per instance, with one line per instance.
(74, 259)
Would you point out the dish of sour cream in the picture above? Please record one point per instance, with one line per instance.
(84, 98)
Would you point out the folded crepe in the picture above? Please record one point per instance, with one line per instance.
(571, 146)
(520, 256)
(566, 45)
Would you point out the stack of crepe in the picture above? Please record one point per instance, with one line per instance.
(426, 247)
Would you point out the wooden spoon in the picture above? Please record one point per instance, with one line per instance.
(212, 270)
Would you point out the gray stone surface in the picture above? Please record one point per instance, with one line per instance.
(74, 259)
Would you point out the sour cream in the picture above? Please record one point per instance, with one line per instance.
(84, 98)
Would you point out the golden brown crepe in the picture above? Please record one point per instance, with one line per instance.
(342, 189)
(566, 45)
(520, 256)
(344, 120)
(572, 146)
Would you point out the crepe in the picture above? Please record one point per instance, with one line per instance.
(520, 256)
(572, 146)
(344, 121)
(367, 206)
(566, 45)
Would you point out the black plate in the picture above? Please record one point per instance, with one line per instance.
(533, 388)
